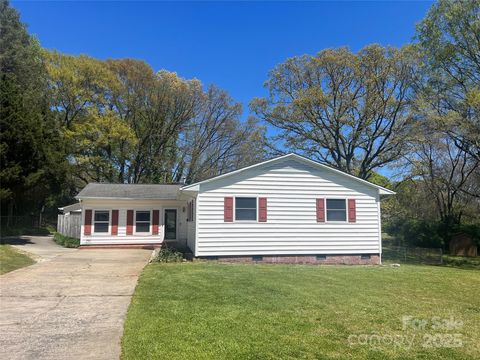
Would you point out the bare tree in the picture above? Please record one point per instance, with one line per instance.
(351, 111)
(447, 172)
(216, 139)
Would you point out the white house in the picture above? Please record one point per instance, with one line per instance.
(288, 209)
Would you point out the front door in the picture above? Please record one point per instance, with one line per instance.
(170, 224)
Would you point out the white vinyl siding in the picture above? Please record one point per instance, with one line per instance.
(137, 205)
(291, 188)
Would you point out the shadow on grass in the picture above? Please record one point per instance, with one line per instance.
(463, 265)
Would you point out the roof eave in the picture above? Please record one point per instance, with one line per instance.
(191, 188)
(383, 191)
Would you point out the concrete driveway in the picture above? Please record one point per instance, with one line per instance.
(70, 305)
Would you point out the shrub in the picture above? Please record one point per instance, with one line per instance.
(462, 262)
(167, 255)
(66, 241)
(427, 234)
(419, 233)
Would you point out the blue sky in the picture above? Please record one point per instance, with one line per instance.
(230, 44)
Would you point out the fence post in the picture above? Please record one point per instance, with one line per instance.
(59, 223)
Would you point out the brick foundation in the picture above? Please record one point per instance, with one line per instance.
(302, 259)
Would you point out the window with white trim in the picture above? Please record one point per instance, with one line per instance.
(101, 221)
(245, 208)
(336, 210)
(142, 221)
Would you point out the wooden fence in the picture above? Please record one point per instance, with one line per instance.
(69, 225)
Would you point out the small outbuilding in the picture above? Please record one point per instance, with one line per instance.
(462, 244)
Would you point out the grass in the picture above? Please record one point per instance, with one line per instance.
(66, 241)
(11, 259)
(234, 311)
(462, 262)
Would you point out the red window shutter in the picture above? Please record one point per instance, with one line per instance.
(87, 226)
(320, 210)
(129, 222)
(155, 221)
(228, 209)
(352, 211)
(262, 209)
(114, 222)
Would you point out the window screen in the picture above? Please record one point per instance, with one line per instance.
(142, 221)
(336, 210)
(245, 208)
(101, 221)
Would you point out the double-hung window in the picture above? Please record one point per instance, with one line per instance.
(142, 221)
(246, 208)
(336, 210)
(101, 221)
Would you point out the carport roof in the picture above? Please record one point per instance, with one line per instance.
(71, 208)
(129, 191)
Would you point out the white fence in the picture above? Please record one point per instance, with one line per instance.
(69, 225)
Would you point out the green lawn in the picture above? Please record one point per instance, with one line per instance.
(11, 259)
(234, 311)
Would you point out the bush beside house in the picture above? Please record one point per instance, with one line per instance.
(66, 241)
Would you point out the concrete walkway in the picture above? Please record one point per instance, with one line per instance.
(71, 305)
(40, 248)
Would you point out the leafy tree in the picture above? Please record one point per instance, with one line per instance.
(381, 180)
(444, 155)
(77, 84)
(157, 107)
(351, 111)
(449, 38)
(96, 143)
(32, 164)
(125, 123)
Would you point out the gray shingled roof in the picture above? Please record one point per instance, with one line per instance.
(129, 191)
